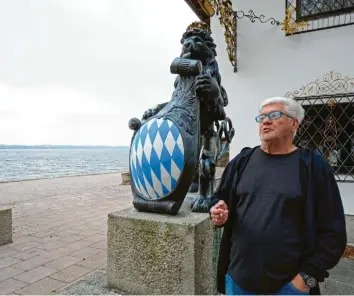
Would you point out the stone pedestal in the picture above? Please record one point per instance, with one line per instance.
(159, 254)
(5, 226)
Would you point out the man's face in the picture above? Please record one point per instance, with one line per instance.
(282, 127)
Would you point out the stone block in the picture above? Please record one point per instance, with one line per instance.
(125, 178)
(5, 226)
(158, 254)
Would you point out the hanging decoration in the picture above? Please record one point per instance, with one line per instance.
(205, 9)
(229, 22)
(228, 19)
(253, 17)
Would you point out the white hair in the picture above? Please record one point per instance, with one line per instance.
(291, 106)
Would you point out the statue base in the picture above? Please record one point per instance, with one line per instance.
(151, 253)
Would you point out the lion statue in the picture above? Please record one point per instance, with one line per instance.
(198, 44)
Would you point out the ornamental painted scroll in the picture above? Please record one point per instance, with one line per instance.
(175, 140)
(332, 83)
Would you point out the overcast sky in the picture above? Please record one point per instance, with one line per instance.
(75, 71)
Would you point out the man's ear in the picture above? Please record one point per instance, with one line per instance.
(295, 124)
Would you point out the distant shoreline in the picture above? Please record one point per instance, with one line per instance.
(69, 176)
(3, 146)
(36, 162)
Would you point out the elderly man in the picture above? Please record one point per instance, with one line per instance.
(283, 218)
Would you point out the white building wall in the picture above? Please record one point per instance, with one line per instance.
(272, 64)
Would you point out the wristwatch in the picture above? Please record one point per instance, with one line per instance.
(310, 281)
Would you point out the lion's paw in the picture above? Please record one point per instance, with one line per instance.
(200, 205)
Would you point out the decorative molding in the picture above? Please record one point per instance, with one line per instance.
(332, 83)
(207, 7)
(202, 8)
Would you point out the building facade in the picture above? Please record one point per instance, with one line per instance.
(302, 49)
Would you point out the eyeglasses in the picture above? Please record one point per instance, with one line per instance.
(272, 116)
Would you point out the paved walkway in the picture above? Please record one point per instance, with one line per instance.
(59, 230)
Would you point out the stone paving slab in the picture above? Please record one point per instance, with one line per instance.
(59, 230)
(92, 284)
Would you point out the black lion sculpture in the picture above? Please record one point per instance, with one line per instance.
(177, 144)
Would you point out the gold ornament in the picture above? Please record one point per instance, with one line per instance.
(331, 103)
(199, 25)
(289, 26)
(228, 21)
(207, 7)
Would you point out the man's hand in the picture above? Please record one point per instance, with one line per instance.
(219, 213)
(299, 284)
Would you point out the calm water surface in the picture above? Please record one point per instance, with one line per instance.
(25, 164)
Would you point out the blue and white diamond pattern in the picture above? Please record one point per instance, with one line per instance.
(157, 158)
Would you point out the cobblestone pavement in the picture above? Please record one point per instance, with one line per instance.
(59, 230)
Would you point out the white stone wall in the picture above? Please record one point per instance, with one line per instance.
(272, 64)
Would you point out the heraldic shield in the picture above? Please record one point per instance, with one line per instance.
(164, 152)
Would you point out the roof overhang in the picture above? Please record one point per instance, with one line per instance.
(202, 8)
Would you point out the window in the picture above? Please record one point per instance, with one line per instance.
(319, 14)
(328, 127)
(316, 8)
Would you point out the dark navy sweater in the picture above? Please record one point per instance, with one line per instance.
(323, 216)
(268, 234)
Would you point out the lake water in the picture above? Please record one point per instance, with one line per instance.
(25, 164)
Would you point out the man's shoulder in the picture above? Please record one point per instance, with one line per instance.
(234, 162)
(314, 158)
(246, 151)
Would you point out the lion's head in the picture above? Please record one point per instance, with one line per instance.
(197, 43)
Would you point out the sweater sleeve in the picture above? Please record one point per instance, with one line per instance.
(224, 189)
(330, 225)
